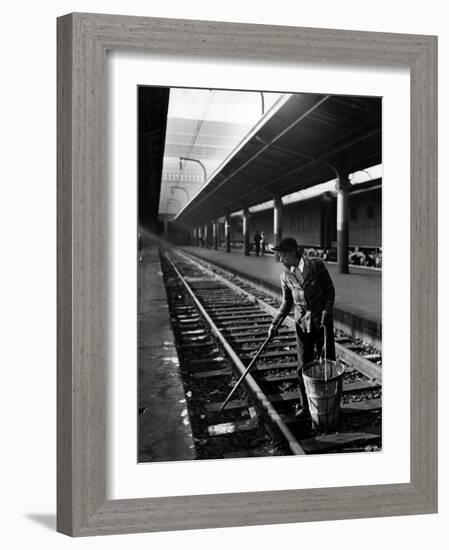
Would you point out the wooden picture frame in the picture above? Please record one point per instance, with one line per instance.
(83, 40)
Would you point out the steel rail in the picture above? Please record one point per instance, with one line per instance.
(258, 394)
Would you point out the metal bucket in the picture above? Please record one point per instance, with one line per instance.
(323, 384)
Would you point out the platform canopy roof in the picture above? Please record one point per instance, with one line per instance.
(304, 140)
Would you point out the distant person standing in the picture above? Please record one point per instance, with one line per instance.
(262, 243)
(257, 239)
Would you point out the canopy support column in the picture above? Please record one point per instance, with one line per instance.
(246, 232)
(215, 234)
(206, 236)
(228, 233)
(277, 223)
(342, 222)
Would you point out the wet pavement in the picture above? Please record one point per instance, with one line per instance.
(164, 427)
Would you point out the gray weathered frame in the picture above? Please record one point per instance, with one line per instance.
(83, 40)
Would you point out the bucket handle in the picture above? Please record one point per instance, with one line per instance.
(323, 349)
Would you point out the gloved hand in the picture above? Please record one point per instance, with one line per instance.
(272, 330)
(325, 318)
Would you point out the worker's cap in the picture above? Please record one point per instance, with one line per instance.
(288, 244)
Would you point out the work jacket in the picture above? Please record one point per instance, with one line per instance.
(311, 292)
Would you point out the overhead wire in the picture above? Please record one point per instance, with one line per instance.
(196, 134)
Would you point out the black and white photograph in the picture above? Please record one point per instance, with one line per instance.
(259, 274)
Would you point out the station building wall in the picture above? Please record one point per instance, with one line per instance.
(262, 221)
(303, 222)
(365, 219)
(313, 222)
(236, 228)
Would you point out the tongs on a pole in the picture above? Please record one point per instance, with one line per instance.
(240, 380)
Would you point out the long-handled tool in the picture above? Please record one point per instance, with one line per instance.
(323, 353)
(248, 368)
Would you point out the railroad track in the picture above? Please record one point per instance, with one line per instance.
(219, 326)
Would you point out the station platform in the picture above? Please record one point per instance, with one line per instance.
(358, 295)
(164, 430)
